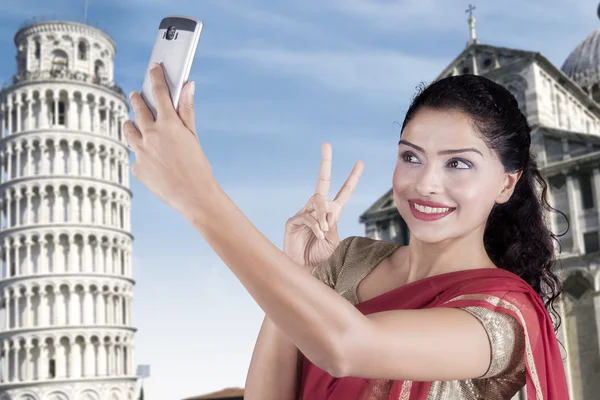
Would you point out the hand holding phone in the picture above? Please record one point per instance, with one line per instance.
(174, 48)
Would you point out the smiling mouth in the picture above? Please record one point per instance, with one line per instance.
(431, 210)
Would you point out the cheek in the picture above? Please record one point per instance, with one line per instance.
(474, 194)
(405, 177)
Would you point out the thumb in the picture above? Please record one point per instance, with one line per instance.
(186, 106)
(331, 223)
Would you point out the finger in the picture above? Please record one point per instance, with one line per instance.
(133, 137)
(324, 178)
(350, 184)
(160, 92)
(186, 106)
(142, 114)
(311, 222)
(320, 206)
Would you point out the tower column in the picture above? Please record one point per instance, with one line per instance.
(3, 178)
(88, 306)
(7, 246)
(43, 372)
(28, 206)
(30, 124)
(18, 106)
(86, 123)
(17, 309)
(28, 311)
(42, 263)
(596, 179)
(17, 247)
(96, 124)
(28, 362)
(5, 362)
(7, 299)
(55, 116)
(29, 263)
(9, 162)
(574, 207)
(44, 123)
(9, 115)
(18, 169)
(18, 197)
(3, 119)
(15, 361)
(102, 358)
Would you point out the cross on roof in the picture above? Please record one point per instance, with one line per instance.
(470, 10)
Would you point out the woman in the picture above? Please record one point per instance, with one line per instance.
(458, 313)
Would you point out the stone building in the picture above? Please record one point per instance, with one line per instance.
(563, 109)
(66, 280)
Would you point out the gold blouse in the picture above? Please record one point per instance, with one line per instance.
(356, 256)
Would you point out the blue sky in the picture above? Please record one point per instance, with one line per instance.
(274, 80)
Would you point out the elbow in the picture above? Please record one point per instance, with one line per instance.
(336, 366)
(329, 357)
(339, 355)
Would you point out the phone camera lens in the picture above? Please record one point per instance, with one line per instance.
(170, 32)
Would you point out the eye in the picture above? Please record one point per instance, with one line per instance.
(455, 163)
(407, 155)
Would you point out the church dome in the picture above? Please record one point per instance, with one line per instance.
(583, 64)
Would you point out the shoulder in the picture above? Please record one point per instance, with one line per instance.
(350, 252)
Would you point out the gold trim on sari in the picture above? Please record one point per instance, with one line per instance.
(500, 303)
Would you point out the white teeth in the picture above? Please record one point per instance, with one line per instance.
(429, 210)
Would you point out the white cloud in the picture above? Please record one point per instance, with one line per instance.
(374, 74)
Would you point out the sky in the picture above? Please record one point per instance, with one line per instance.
(274, 80)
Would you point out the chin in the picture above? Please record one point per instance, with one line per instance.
(427, 231)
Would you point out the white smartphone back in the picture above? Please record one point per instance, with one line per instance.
(174, 48)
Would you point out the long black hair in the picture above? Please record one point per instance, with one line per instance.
(516, 236)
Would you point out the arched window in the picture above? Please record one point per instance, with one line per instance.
(98, 70)
(38, 49)
(60, 62)
(82, 51)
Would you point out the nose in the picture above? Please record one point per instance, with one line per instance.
(429, 182)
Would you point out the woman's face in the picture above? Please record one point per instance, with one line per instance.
(446, 179)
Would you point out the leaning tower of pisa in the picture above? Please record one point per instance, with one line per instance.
(66, 284)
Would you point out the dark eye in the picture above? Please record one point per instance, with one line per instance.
(457, 162)
(407, 155)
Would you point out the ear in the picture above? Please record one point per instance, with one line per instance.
(509, 184)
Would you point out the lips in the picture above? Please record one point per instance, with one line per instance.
(431, 204)
(423, 216)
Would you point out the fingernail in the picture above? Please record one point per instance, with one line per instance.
(321, 235)
(325, 227)
(154, 65)
(131, 94)
(192, 88)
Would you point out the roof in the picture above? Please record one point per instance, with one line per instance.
(569, 84)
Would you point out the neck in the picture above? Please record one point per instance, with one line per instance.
(455, 254)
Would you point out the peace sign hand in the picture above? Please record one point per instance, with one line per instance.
(311, 235)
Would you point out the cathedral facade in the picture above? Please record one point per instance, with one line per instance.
(562, 106)
(66, 281)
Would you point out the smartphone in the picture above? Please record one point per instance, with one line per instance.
(174, 48)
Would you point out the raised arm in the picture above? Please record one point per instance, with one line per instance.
(426, 345)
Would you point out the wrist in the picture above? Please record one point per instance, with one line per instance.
(204, 206)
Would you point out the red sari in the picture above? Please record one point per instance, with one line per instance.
(493, 288)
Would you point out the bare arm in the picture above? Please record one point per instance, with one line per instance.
(275, 368)
(329, 330)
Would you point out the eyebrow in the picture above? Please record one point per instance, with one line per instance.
(442, 152)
